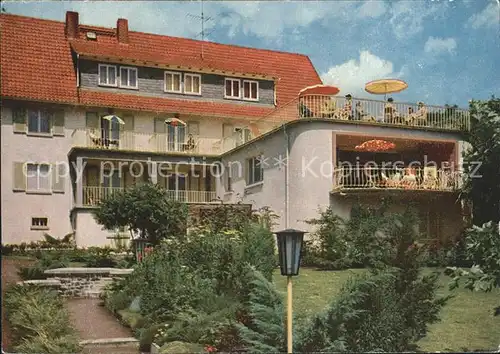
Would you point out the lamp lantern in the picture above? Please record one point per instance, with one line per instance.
(289, 251)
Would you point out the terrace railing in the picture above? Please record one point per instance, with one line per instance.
(92, 196)
(427, 178)
(381, 112)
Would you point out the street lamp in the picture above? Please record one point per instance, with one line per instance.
(289, 252)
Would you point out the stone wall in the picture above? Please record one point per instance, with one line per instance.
(80, 282)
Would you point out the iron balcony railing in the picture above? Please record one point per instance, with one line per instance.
(427, 178)
(92, 196)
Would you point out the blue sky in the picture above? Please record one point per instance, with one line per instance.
(448, 51)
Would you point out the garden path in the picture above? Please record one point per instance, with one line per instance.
(93, 321)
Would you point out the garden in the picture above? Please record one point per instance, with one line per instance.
(212, 284)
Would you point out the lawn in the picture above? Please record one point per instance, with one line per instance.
(467, 321)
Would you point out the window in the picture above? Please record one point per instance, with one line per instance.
(255, 170)
(39, 121)
(192, 84)
(107, 75)
(39, 223)
(232, 88)
(172, 82)
(38, 177)
(229, 186)
(250, 90)
(128, 77)
(242, 135)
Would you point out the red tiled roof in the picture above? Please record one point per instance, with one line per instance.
(36, 64)
(36, 60)
(159, 104)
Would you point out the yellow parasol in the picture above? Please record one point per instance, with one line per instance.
(113, 118)
(385, 86)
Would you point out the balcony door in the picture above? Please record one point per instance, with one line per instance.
(177, 185)
(176, 137)
(110, 132)
(111, 179)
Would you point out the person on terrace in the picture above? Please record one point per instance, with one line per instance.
(390, 112)
(346, 112)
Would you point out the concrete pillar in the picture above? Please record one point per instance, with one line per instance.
(153, 172)
(79, 181)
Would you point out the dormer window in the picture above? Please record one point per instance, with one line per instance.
(250, 90)
(107, 75)
(128, 77)
(192, 84)
(232, 88)
(173, 82)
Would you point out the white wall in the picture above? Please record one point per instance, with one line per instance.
(271, 192)
(18, 207)
(89, 232)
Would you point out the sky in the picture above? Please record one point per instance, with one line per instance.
(448, 51)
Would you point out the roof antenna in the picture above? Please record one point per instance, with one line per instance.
(203, 19)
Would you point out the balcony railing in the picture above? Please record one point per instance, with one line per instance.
(427, 178)
(146, 142)
(92, 196)
(382, 112)
(372, 112)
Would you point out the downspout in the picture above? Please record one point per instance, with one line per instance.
(287, 195)
(77, 70)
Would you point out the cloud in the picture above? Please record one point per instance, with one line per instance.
(271, 20)
(438, 46)
(352, 75)
(488, 17)
(372, 8)
(407, 17)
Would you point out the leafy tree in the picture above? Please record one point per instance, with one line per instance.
(482, 189)
(145, 210)
(481, 186)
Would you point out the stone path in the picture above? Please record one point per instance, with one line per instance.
(94, 322)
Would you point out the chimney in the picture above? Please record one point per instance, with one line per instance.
(71, 29)
(122, 30)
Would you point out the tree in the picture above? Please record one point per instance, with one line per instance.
(482, 189)
(481, 186)
(145, 210)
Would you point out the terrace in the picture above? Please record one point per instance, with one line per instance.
(365, 163)
(373, 112)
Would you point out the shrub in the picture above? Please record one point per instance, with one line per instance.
(265, 331)
(39, 321)
(388, 309)
(483, 250)
(197, 286)
(49, 260)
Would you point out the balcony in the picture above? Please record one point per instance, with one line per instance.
(373, 112)
(409, 179)
(146, 142)
(93, 195)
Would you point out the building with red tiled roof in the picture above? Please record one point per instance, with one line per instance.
(90, 111)
(82, 99)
